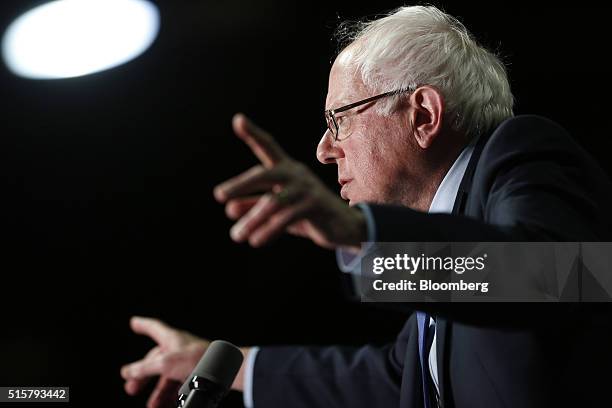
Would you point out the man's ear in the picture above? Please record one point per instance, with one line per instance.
(426, 115)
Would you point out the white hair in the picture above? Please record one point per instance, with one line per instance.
(421, 45)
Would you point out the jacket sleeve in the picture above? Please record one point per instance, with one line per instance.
(532, 183)
(311, 377)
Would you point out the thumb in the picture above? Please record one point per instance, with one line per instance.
(154, 328)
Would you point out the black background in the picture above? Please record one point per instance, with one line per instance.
(106, 181)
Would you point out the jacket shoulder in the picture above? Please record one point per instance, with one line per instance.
(532, 172)
(530, 133)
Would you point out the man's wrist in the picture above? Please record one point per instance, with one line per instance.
(238, 384)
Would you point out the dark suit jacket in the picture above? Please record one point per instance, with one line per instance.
(527, 181)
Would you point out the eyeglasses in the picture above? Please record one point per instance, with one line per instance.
(330, 114)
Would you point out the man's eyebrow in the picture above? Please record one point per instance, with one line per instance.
(352, 99)
(342, 101)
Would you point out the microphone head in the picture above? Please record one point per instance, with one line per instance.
(219, 364)
(184, 390)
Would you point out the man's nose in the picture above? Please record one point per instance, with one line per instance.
(328, 150)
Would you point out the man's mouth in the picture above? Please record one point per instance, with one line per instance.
(343, 191)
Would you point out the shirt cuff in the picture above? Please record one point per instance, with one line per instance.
(369, 218)
(249, 366)
(348, 262)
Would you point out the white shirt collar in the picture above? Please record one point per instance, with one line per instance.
(445, 196)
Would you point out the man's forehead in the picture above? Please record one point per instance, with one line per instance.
(344, 84)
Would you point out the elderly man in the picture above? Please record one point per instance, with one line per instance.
(420, 123)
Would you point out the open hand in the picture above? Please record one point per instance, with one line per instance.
(173, 358)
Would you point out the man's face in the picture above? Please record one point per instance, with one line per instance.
(374, 153)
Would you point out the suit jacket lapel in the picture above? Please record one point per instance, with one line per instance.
(466, 181)
(443, 327)
(441, 337)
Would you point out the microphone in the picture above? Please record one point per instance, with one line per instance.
(212, 377)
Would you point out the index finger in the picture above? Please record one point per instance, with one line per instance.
(262, 144)
(134, 385)
(142, 369)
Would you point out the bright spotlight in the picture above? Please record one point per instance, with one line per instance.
(69, 38)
